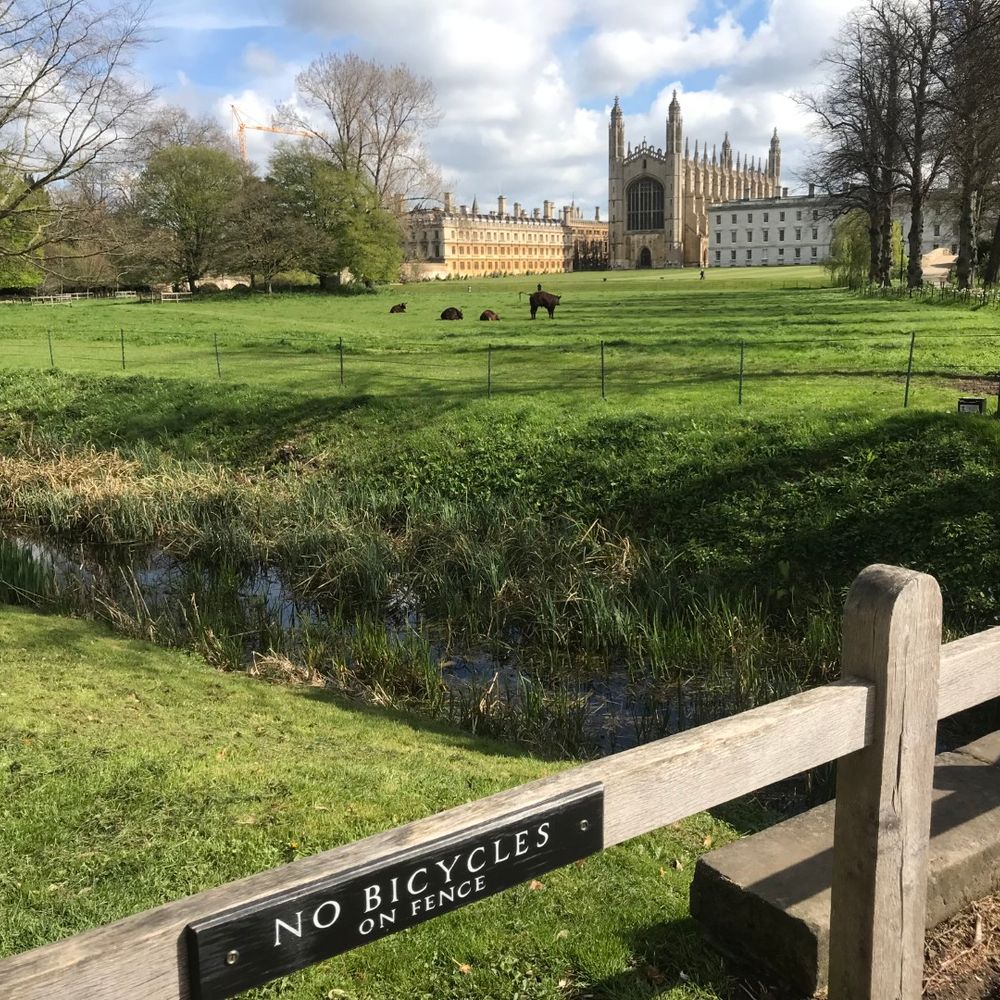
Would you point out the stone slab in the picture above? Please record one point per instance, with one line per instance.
(766, 898)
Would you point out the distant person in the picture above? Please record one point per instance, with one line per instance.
(701, 276)
(539, 286)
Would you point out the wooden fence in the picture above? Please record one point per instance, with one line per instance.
(878, 722)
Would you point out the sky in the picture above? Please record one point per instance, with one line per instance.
(524, 87)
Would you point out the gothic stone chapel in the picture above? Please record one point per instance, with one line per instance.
(658, 199)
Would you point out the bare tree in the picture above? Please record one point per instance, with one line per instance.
(970, 89)
(374, 117)
(67, 102)
(856, 117)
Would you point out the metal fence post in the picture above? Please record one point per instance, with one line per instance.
(489, 371)
(892, 636)
(909, 371)
(218, 363)
(603, 395)
(340, 348)
(122, 331)
(740, 399)
(52, 359)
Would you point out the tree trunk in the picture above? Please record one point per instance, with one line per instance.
(992, 271)
(885, 261)
(875, 241)
(268, 286)
(966, 237)
(915, 266)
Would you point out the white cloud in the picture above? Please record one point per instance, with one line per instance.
(524, 87)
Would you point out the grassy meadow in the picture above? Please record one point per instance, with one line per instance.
(663, 532)
(467, 491)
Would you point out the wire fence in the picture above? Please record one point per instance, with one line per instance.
(738, 370)
(928, 292)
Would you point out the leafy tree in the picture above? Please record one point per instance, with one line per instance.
(344, 224)
(850, 249)
(185, 197)
(264, 238)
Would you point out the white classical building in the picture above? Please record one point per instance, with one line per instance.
(798, 229)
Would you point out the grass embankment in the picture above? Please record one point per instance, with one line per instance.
(131, 776)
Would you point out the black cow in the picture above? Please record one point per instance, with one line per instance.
(452, 313)
(489, 314)
(400, 307)
(546, 300)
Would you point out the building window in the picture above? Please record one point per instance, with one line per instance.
(718, 220)
(781, 217)
(764, 235)
(798, 234)
(815, 234)
(749, 216)
(781, 253)
(813, 253)
(749, 236)
(815, 214)
(765, 219)
(718, 256)
(937, 228)
(781, 236)
(798, 215)
(645, 205)
(749, 255)
(732, 255)
(734, 219)
(798, 253)
(732, 236)
(718, 237)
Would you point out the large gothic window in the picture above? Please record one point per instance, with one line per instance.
(645, 205)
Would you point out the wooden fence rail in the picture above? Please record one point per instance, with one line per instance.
(898, 680)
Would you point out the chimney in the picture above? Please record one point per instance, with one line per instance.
(536, 213)
(597, 214)
(449, 202)
(567, 213)
(517, 210)
(784, 192)
(812, 190)
(546, 209)
(463, 210)
(501, 206)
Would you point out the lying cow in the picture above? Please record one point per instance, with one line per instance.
(489, 314)
(452, 313)
(400, 307)
(546, 300)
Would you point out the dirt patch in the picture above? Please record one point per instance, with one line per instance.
(973, 386)
(962, 956)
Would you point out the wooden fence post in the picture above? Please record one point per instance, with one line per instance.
(892, 636)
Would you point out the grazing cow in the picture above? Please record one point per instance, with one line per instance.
(399, 307)
(546, 300)
(489, 314)
(452, 313)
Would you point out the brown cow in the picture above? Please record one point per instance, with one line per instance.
(489, 314)
(546, 300)
(400, 307)
(452, 313)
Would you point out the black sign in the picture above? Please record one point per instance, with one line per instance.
(270, 937)
(971, 404)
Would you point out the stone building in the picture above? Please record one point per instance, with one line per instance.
(658, 198)
(464, 242)
(798, 229)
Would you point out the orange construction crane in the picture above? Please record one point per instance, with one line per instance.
(242, 125)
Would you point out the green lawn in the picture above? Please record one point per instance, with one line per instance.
(672, 342)
(130, 776)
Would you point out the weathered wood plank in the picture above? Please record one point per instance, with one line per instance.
(970, 672)
(645, 788)
(892, 636)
